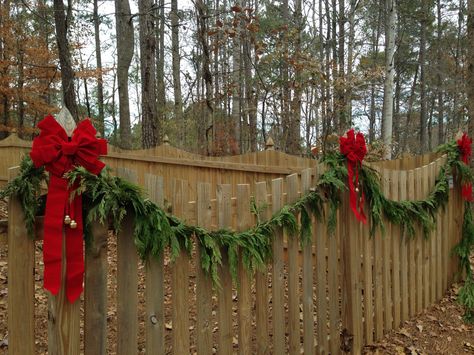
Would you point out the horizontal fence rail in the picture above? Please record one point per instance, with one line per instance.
(333, 295)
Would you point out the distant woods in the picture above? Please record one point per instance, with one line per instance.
(221, 77)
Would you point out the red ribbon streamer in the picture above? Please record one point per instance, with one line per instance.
(354, 148)
(464, 146)
(59, 154)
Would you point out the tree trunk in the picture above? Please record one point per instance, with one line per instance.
(341, 79)
(294, 146)
(387, 119)
(410, 107)
(375, 50)
(423, 116)
(236, 88)
(147, 73)
(350, 62)
(124, 28)
(470, 67)
(203, 124)
(67, 74)
(100, 83)
(160, 72)
(21, 82)
(176, 64)
(285, 98)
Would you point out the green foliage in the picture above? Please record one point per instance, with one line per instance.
(27, 187)
(466, 299)
(403, 213)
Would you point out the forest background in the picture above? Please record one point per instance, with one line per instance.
(220, 77)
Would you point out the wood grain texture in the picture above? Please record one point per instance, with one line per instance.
(224, 296)
(180, 278)
(396, 248)
(21, 291)
(404, 286)
(334, 271)
(308, 313)
(95, 293)
(127, 281)
(419, 269)
(244, 292)
(368, 290)
(411, 250)
(261, 281)
(293, 274)
(154, 281)
(387, 259)
(204, 283)
(350, 286)
(278, 275)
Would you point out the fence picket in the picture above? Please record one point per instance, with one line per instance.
(402, 191)
(244, 296)
(386, 257)
(411, 250)
(419, 269)
(333, 289)
(224, 296)
(21, 321)
(432, 241)
(425, 185)
(396, 243)
(204, 285)
(438, 236)
(368, 289)
(261, 281)
(154, 293)
(308, 313)
(127, 281)
(293, 274)
(278, 275)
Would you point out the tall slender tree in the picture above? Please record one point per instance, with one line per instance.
(125, 39)
(100, 81)
(147, 73)
(470, 67)
(387, 119)
(176, 64)
(67, 74)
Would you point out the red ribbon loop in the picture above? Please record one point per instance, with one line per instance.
(464, 146)
(353, 147)
(59, 154)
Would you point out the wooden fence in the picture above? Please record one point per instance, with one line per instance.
(338, 294)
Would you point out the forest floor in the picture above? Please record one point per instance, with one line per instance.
(439, 329)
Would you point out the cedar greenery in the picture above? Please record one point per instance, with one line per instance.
(110, 198)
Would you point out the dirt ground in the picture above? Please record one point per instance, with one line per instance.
(437, 330)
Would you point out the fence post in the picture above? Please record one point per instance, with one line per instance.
(21, 266)
(95, 293)
(351, 336)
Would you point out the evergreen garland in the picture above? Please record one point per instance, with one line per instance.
(108, 197)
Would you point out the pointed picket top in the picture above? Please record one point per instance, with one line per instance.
(269, 145)
(64, 118)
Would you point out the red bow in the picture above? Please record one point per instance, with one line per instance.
(59, 154)
(354, 148)
(464, 146)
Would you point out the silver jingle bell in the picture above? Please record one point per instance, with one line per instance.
(67, 219)
(73, 224)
